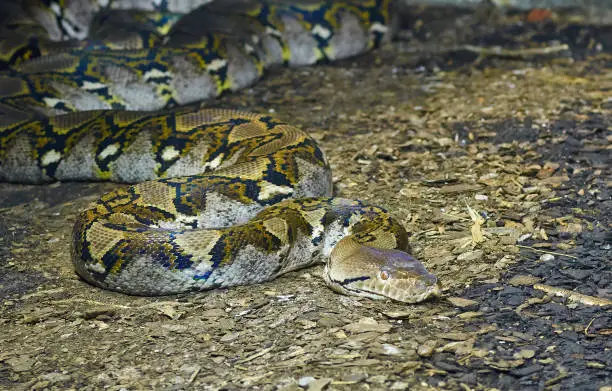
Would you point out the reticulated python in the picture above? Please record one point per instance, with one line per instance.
(223, 198)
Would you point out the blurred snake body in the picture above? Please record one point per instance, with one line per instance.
(221, 197)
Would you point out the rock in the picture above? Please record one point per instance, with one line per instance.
(427, 348)
(547, 257)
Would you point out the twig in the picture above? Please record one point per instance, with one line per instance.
(546, 252)
(92, 302)
(254, 356)
(586, 329)
(555, 380)
(193, 376)
(498, 51)
(573, 296)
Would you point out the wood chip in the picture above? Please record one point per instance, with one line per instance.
(367, 325)
(519, 280)
(461, 302)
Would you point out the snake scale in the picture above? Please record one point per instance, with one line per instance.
(98, 90)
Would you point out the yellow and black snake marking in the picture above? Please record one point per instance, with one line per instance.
(90, 91)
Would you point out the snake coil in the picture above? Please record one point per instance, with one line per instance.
(221, 197)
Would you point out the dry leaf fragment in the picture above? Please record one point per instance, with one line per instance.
(476, 228)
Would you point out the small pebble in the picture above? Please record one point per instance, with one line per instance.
(305, 381)
(390, 350)
(547, 257)
(427, 348)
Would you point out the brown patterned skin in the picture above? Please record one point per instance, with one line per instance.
(222, 197)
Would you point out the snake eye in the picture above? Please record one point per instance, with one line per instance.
(384, 275)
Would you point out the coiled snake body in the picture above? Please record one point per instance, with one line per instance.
(222, 197)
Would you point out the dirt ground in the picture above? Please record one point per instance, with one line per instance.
(496, 159)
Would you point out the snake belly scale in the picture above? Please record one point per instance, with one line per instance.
(221, 197)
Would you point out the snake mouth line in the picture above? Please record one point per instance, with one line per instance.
(412, 300)
(430, 294)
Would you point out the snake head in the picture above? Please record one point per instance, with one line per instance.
(380, 274)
